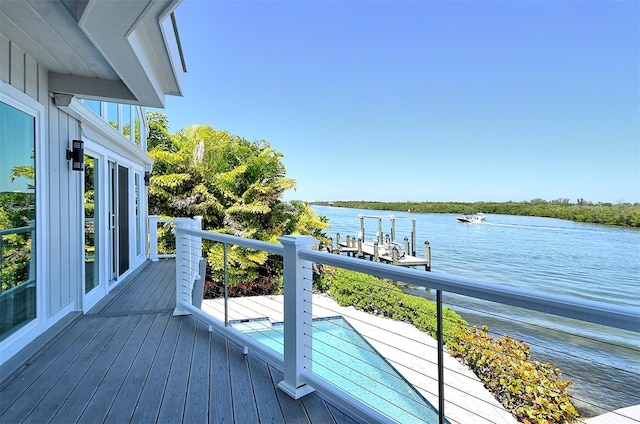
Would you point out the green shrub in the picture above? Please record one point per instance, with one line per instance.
(380, 297)
(532, 391)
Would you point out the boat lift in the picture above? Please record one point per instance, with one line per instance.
(385, 249)
(410, 250)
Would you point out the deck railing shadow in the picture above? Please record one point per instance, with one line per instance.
(440, 379)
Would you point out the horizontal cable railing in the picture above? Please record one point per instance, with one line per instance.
(601, 362)
(162, 239)
(17, 254)
(318, 345)
(17, 277)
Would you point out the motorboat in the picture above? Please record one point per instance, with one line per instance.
(472, 219)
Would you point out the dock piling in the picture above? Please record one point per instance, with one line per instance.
(427, 256)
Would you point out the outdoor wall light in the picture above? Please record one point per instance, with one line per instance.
(147, 174)
(76, 156)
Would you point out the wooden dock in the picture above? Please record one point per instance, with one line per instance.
(367, 250)
(385, 249)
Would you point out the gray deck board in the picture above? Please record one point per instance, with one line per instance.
(137, 296)
(220, 410)
(126, 399)
(130, 361)
(85, 376)
(124, 297)
(244, 409)
(51, 377)
(172, 408)
(292, 410)
(166, 292)
(196, 408)
(36, 365)
(340, 417)
(154, 386)
(104, 396)
(268, 406)
(317, 409)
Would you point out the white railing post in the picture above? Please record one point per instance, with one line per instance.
(297, 315)
(196, 243)
(183, 266)
(153, 238)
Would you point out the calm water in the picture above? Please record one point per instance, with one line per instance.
(548, 255)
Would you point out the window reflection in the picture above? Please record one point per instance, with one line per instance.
(90, 223)
(17, 219)
(126, 122)
(136, 120)
(94, 105)
(112, 115)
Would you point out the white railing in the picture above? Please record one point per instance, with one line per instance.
(29, 229)
(299, 254)
(17, 303)
(154, 220)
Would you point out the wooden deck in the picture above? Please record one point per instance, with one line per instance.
(130, 360)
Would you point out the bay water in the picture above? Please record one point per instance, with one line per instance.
(547, 255)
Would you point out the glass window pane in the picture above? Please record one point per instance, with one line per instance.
(136, 120)
(17, 219)
(126, 121)
(94, 105)
(112, 115)
(90, 223)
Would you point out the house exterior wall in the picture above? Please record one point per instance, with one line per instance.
(60, 196)
(24, 74)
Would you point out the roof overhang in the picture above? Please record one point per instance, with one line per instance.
(113, 50)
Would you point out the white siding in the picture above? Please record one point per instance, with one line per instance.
(62, 219)
(16, 67)
(64, 224)
(4, 59)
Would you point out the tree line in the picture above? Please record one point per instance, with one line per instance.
(622, 215)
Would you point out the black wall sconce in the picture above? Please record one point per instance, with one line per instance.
(147, 174)
(76, 155)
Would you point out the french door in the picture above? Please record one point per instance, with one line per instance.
(118, 220)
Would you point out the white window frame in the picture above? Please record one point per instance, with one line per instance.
(16, 341)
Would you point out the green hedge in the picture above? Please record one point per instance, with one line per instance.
(373, 295)
(533, 392)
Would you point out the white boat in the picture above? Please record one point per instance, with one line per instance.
(472, 219)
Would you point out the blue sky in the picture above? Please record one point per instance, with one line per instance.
(424, 100)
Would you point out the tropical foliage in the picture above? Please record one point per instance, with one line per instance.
(236, 185)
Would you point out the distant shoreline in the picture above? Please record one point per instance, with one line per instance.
(620, 215)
